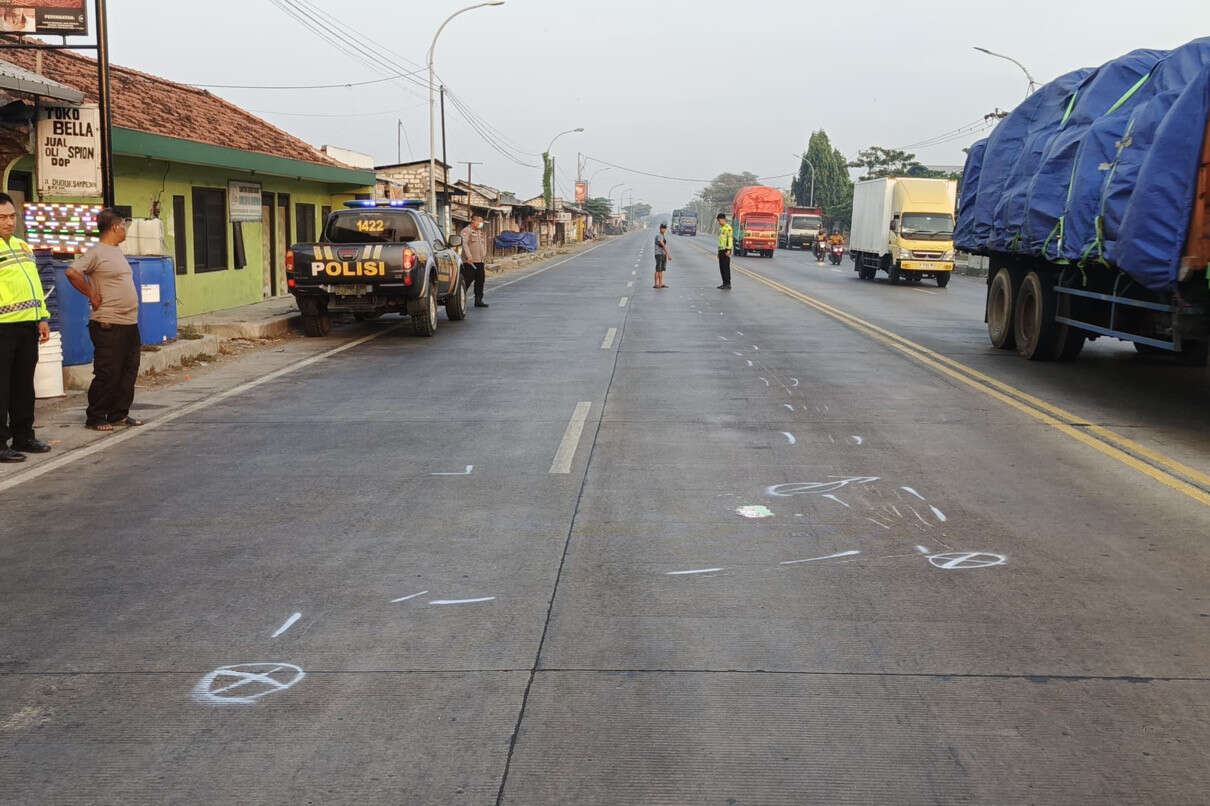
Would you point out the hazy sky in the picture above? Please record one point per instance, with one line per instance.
(687, 89)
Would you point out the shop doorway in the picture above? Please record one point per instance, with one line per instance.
(268, 246)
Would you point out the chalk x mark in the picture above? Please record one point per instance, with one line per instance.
(405, 598)
(243, 675)
(959, 560)
(817, 559)
(694, 571)
(289, 623)
(462, 601)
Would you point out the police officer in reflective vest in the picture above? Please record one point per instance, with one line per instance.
(24, 323)
(726, 242)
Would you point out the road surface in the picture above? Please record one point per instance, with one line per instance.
(809, 541)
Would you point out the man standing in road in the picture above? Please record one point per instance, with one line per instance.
(24, 323)
(661, 256)
(103, 275)
(474, 249)
(726, 243)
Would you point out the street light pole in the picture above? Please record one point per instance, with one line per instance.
(1033, 85)
(547, 162)
(810, 165)
(432, 200)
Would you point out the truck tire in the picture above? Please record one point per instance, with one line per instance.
(894, 274)
(1001, 305)
(424, 320)
(943, 279)
(455, 303)
(1034, 327)
(316, 325)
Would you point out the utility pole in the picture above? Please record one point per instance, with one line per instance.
(469, 213)
(445, 169)
(104, 105)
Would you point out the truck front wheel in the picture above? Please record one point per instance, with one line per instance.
(1001, 303)
(943, 279)
(1034, 326)
(894, 273)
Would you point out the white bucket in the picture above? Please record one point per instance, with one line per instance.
(48, 377)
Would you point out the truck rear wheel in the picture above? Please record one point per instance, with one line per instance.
(424, 320)
(1034, 327)
(1001, 303)
(315, 325)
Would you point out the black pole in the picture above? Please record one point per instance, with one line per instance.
(445, 171)
(103, 93)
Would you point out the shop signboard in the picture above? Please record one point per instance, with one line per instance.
(581, 192)
(59, 17)
(69, 151)
(244, 199)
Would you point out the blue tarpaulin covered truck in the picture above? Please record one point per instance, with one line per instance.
(1091, 201)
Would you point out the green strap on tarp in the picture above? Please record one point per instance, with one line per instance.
(1129, 92)
(1070, 106)
(1058, 230)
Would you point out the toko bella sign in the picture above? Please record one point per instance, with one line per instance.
(69, 151)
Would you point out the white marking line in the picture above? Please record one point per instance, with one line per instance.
(741, 355)
(857, 439)
(622, 302)
(922, 550)
(815, 559)
(184, 411)
(724, 338)
(694, 571)
(789, 437)
(839, 271)
(837, 500)
(910, 491)
(739, 332)
(289, 623)
(571, 439)
(940, 515)
(405, 598)
(462, 601)
(610, 335)
(922, 291)
(466, 472)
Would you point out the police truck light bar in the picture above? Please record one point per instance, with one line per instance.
(360, 203)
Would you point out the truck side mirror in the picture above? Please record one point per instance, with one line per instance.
(455, 241)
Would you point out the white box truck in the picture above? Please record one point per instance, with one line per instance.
(904, 227)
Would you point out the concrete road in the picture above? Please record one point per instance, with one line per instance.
(603, 544)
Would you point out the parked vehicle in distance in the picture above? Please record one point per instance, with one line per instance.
(797, 227)
(754, 213)
(377, 257)
(836, 253)
(684, 222)
(1091, 201)
(904, 227)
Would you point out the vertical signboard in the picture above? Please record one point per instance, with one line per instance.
(69, 151)
(60, 17)
(244, 199)
(581, 192)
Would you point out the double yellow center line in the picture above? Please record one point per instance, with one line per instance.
(1169, 472)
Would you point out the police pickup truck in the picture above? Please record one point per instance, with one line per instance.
(378, 257)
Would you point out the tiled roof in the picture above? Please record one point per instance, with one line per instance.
(155, 105)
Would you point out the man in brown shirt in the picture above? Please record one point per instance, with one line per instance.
(104, 276)
(474, 251)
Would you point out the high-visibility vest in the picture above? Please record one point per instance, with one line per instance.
(21, 297)
(725, 239)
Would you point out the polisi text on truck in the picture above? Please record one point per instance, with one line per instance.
(337, 268)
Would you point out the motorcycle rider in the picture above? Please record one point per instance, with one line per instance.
(836, 238)
(821, 239)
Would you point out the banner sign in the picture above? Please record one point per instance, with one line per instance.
(581, 192)
(60, 17)
(69, 151)
(244, 200)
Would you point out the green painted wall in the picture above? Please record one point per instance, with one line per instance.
(141, 182)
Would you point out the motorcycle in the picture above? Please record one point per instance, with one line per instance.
(835, 253)
(820, 249)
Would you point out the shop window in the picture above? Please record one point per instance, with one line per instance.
(209, 229)
(179, 236)
(304, 215)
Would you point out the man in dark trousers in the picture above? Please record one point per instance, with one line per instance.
(726, 242)
(474, 250)
(24, 323)
(104, 276)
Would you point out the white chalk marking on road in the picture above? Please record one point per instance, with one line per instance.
(630, 284)
(837, 500)
(246, 674)
(741, 355)
(922, 550)
(755, 512)
(788, 406)
(571, 439)
(923, 291)
(610, 335)
(895, 509)
(910, 491)
(789, 437)
(816, 559)
(838, 271)
(724, 338)
(766, 380)
(694, 571)
(956, 561)
(739, 332)
(794, 382)
(879, 523)
(634, 274)
(466, 472)
(857, 439)
(462, 601)
(750, 362)
(622, 302)
(816, 487)
(755, 347)
(922, 520)
(289, 623)
(405, 598)
(940, 515)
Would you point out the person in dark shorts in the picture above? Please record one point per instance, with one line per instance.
(661, 256)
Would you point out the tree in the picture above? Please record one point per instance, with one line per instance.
(879, 162)
(548, 170)
(833, 187)
(599, 208)
(637, 211)
(719, 194)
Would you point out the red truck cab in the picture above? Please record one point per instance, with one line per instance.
(754, 214)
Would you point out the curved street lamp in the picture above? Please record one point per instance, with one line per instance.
(547, 162)
(811, 165)
(432, 101)
(1033, 85)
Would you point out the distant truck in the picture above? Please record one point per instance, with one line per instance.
(754, 214)
(375, 258)
(1091, 201)
(904, 227)
(684, 222)
(797, 227)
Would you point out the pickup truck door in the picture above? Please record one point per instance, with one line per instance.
(447, 259)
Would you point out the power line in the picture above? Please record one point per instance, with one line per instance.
(670, 178)
(292, 86)
(336, 114)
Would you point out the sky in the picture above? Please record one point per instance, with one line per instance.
(682, 89)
